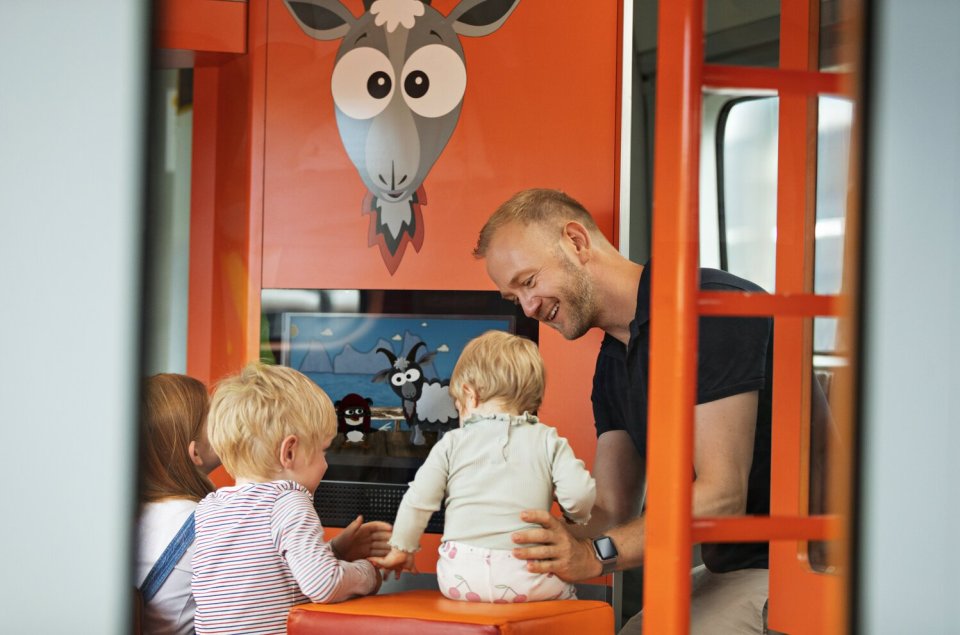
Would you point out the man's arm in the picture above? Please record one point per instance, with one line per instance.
(619, 471)
(723, 452)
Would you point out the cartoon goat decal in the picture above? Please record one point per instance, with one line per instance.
(398, 85)
(427, 404)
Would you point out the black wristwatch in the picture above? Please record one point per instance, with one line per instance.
(606, 552)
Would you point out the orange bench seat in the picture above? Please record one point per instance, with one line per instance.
(429, 613)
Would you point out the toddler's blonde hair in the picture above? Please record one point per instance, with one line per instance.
(499, 365)
(253, 411)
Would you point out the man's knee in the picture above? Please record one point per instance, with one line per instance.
(722, 603)
(732, 602)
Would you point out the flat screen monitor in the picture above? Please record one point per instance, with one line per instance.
(350, 343)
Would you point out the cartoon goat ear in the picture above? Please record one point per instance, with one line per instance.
(426, 359)
(381, 376)
(476, 18)
(321, 19)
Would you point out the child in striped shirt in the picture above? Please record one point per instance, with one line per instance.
(259, 544)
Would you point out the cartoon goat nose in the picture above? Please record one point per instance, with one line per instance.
(395, 182)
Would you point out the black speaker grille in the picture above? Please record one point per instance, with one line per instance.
(339, 502)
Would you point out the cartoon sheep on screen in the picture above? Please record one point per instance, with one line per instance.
(427, 404)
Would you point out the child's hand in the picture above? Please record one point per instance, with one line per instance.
(361, 540)
(395, 561)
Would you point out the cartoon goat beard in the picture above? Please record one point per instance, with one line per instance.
(398, 86)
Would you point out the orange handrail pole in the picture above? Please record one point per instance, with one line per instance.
(764, 528)
(673, 324)
(728, 303)
(793, 590)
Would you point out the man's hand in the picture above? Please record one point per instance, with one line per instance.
(556, 550)
(361, 540)
(395, 561)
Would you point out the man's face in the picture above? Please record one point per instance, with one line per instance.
(536, 270)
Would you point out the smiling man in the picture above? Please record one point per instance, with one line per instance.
(544, 251)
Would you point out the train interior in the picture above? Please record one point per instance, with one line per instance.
(176, 245)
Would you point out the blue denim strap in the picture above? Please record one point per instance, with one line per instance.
(167, 560)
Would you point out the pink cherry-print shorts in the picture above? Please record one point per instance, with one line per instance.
(475, 574)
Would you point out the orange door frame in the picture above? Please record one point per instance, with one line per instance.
(801, 600)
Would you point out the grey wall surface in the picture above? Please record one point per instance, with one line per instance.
(72, 83)
(911, 416)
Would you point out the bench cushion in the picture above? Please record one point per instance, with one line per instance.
(429, 613)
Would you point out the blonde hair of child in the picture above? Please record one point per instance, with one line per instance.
(253, 411)
(498, 365)
(173, 412)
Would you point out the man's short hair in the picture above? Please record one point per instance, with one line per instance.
(498, 365)
(253, 411)
(538, 206)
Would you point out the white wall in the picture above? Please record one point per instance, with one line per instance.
(72, 81)
(911, 418)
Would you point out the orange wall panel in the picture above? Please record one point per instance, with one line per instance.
(540, 109)
(218, 26)
(566, 403)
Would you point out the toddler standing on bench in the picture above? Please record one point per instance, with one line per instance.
(259, 546)
(500, 462)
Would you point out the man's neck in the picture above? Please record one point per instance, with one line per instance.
(617, 281)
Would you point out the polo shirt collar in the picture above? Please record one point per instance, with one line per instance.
(642, 315)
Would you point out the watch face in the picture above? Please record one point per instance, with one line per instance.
(605, 548)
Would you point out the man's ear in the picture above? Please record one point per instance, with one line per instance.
(579, 238)
(288, 451)
(194, 455)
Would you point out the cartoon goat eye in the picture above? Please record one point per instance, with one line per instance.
(398, 379)
(362, 83)
(413, 374)
(379, 85)
(434, 79)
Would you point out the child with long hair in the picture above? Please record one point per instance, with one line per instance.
(175, 460)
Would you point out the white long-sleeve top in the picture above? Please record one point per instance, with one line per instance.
(171, 610)
(488, 471)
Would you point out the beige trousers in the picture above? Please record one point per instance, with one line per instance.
(722, 603)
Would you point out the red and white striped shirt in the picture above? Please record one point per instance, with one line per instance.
(259, 550)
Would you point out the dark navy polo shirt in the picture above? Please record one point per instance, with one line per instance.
(734, 356)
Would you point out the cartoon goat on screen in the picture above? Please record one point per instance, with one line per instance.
(427, 404)
(398, 85)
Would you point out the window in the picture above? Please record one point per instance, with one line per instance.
(745, 210)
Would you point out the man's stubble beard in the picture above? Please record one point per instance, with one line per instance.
(578, 301)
